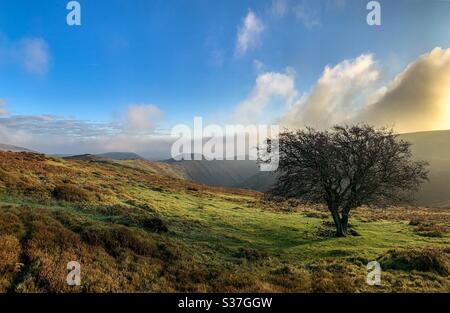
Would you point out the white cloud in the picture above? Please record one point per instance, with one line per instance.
(59, 135)
(307, 15)
(249, 33)
(142, 117)
(3, 110)
(336, 4)
(47, 125)
(417, 99)
(34, 55)
(216, 55)
(279, 8)
(258, 65)
(151, 146)
(17, 138)
(308, 12)
(337, 95)
(268, 85)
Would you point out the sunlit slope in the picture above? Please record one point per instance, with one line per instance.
(433, 147)
(4, 147)
(133, 229)
(226, 173)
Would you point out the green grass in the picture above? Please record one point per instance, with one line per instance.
(210, 233)
(230, 225)
(217, 240)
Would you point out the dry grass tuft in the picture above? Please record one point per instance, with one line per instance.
(10, 250)
(424, 260)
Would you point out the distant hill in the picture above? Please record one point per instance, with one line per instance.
(260, 181)
(131, 161)
(86, 157)
(433, 147)
(156, 167)
(224, 173)
(430, 144)
(121, 155)
(118, 156)
(12, 148)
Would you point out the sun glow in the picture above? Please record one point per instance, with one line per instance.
(445, 121)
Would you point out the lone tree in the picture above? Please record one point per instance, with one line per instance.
(346, 167)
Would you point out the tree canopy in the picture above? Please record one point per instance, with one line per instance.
(346, 167)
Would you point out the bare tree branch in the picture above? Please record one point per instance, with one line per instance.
(346, 167)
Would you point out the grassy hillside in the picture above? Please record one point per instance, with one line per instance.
(434, 147)
(12, 148)
(225, 173)
(133, 229)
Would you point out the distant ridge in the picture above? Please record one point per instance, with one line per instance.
(11, 148)
(224, 173)
(430, 146)
(121, 156)
(86, 157)
(116, 156)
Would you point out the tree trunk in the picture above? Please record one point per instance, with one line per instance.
(337, 223)
(344, 223)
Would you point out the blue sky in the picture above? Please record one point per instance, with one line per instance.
(184, 58)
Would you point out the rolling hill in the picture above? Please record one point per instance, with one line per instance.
(433, 147)
(135, 230)
(121, 155)
(12, 148)
(223, 173)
